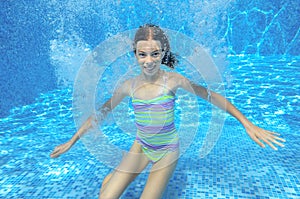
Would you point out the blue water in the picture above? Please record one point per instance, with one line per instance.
(43, 44)
(235, 168)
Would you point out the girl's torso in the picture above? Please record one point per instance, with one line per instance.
(143, 90)
(153, 105)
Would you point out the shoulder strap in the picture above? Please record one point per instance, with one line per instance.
(165, 78)
(132, 87)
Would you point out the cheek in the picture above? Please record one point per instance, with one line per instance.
(158, 61)
(140, 61)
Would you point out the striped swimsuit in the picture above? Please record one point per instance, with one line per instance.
(156, 131)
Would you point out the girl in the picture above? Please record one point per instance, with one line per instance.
(153, 95)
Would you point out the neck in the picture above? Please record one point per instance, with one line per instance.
(151, 78)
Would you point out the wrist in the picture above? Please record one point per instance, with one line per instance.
(246, 123)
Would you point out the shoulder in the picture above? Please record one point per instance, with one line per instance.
(173, 75)
(177, 78)
(127, 83)
(125, 87)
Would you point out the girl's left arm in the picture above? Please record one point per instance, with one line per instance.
(256, 133)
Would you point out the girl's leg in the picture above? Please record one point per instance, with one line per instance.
(106, 180)
(131, 165)
(159, 176)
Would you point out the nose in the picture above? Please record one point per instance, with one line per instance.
(148, 60)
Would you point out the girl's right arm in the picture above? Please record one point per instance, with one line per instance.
(110, 104)
(256, 133)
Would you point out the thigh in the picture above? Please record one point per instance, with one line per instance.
(131, 165)
(159, 176)
(134, 161)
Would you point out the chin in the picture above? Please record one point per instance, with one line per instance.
(151, 72)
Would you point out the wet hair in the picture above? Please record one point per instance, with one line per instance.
(150, 31)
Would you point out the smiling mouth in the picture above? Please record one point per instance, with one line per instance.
(150, 69)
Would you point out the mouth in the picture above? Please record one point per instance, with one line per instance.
(149, 69)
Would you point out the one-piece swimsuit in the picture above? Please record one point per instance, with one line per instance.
(154, 119)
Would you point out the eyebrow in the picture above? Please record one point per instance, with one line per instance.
(151, 51)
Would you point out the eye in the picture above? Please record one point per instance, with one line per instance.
(141, 54)
(155, 54)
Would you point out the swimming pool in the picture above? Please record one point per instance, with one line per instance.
(262, 80)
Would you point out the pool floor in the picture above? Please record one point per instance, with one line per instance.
(235, 168)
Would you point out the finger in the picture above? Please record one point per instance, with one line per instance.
(255, 139)
(283, 140)
(271, 134)
(55, 150)
(273, 137)
(269, 143)
(274, 140)
(55, 153)
(265, 139)
(274, 133)
(278, 143)
(52, 155)
(272, 146)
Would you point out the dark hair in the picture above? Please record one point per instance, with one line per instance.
(150, 31)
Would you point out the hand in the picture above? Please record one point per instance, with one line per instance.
(61, 149)
(258, 135)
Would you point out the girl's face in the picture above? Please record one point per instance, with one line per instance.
(149, 55)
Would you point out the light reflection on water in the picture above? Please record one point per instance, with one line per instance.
(30, 133)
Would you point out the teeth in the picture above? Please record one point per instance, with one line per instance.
(149, 68)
